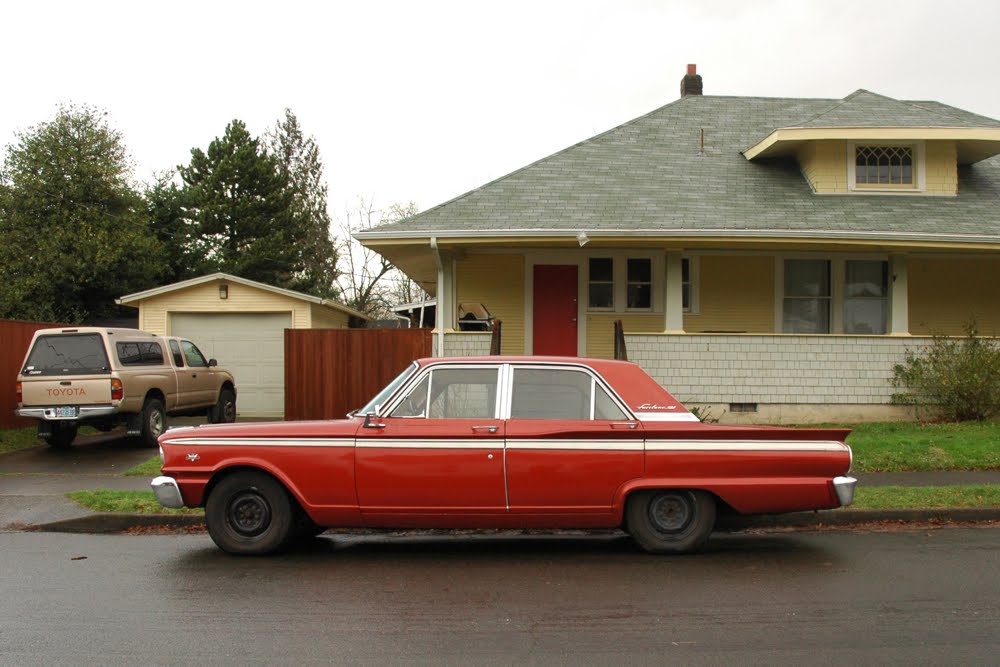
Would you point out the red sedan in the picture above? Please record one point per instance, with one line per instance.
(501, 442)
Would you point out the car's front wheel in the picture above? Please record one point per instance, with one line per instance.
(224, 411)
(249, 513)
(667, 521)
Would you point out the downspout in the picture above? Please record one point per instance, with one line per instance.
(439, 311)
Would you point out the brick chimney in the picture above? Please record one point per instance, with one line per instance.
(691, 83)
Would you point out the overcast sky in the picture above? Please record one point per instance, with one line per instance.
(421, 101)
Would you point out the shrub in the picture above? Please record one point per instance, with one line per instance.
(957, 377)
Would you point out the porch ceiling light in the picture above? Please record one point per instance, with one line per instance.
(582, 238)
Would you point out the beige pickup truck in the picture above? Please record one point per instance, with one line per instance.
(104, 377)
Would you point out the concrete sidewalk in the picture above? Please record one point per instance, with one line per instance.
(38, 502)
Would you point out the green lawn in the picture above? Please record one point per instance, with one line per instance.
(925, 497)
(906, 446)
(150, 468)
(132, 502)
(14, 439)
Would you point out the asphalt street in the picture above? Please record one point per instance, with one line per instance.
(924, 597)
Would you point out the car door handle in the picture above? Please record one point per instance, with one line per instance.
(628, 425)
(480, 429)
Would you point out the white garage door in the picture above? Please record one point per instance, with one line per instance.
(251, 346)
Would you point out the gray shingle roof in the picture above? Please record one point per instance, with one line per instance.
(649, 176)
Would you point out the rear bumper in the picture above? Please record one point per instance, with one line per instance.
(167, 492)
(85, 412)
(844, 486)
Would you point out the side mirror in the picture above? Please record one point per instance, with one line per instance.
(369, 423)
(212, 363)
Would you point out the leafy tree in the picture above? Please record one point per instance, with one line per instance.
(299, 158)
(368, 280)
(168, 223)
(240, 204)
(73, 233)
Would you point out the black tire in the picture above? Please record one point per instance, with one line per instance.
(670, 521)
(63, 434)
(250, 514)
(154, 422)
(224, 411)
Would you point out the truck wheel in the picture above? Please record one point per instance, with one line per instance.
(224, 412)
(249, 513)
(154, 422)
(62, 435)
(670, 520)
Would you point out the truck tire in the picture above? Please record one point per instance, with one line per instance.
(224, 412)
(62, 435)
(154, 422)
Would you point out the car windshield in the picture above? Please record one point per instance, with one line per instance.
(389, 390)
(67, 354)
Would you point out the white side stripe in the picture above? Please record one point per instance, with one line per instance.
(746, 445)
(263, 442)
(610, 445)
(666, 417)
(416, 443)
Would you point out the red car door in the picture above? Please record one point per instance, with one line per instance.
(440, 450)
(570, 445)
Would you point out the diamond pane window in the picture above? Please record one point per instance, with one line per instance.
(883, 165)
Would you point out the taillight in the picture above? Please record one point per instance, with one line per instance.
(17, 390)
(117, 390)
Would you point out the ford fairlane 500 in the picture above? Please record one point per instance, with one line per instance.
(501, 442)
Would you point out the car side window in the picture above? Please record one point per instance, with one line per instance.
(560, 394)
(175, 352)
(463, 393)
(415, 402)
(193, 355)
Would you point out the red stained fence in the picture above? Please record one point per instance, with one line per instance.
(329, 372)
(14, 339)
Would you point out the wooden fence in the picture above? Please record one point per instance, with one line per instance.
(329, 372)
(14, 339)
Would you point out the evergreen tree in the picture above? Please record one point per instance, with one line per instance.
(299, 158)
(73, 234)
(168, 223)
(240, 203)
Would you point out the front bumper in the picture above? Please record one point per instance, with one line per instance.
(844, 486)
(84, 412)
(167, 492)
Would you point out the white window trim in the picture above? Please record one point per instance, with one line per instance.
(694, 272)
(620, 275)
(919, 167)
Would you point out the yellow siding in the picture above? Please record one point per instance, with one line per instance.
(734, 294)
(205, 298)
(824, 164)
(601, 330)
(324, 317)
(946, 293)
(941, 168)
(497, 281)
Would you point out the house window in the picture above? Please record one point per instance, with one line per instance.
(807, 297)
(602, 283)
(866, 297)
(640, 284)
(883, 165)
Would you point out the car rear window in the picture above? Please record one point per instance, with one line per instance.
(67, 354)
(140, 354)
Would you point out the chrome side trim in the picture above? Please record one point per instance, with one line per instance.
(406, 443)
(844, 486)
(261, 442)
(167, 492)
(666, 417)
(746, 445)
(609, 445)
(48, 414)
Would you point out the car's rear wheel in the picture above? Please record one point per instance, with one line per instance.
(224, 411)
(249, 513)
(62, 435)
(154, 422)
(670, 520)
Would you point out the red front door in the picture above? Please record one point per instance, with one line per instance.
(555, 310)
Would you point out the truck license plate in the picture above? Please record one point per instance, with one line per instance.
(66, 412)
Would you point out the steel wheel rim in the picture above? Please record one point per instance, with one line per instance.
(156, 423)
(229, 411)
(671, 512)
(248, 514)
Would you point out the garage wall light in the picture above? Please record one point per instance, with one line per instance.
(223, 291)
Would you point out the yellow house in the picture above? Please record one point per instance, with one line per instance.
(241, 323)
(771, 259)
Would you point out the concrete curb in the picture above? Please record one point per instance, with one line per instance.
(116, 523)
